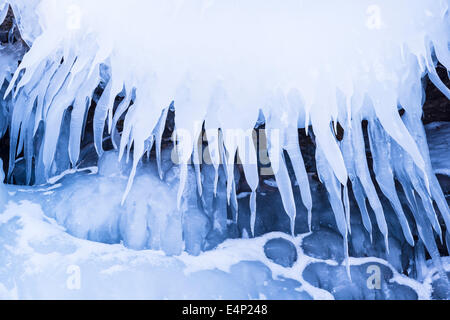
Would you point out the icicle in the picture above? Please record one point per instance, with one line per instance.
(183, 179)
(276, 156)
(447, 241)
(41, 90)
(334, 190)
(361, 201)
(349, 158)
(414, 124)
(54, 118)
(212, 135)
(142, 131)
(4, 7)
(234, 201)
(385, 106)
(440, 200)
(253, 212)
(216, 181)
(362, 171)
(30, 92)
(380, 147)
(103, 105)
(79, 112)
(15, 125)
(196, 155)
(426, 234)
(21, 115)
(138, 151)
(121, 108)
(229, 174)
(230, 154)
(148, 145)
(28, 147)
(434, 77)
(407, 188)
(41, 47)
(56, 84)
(334, 194)
(403, 159)
(126, 133)
(347, 208)
(247, 155)
(295, 155)
(184, 150)
(327, 141)
(159, 130)
(423, 227)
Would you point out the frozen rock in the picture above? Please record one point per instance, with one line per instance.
(195, 229)
(440, 289)
(363, 284)
(281, 251)
(324, 244)
(257, 280)
(109, 164)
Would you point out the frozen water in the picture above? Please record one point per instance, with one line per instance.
(79, 85)
(272, 266)
(40, 260)
(332, 249)
(281, 251)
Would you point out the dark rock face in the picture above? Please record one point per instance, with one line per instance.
(437, 106)
(440, 289)
(281, 251)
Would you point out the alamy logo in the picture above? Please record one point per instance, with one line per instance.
(374, 21)
(73, 282)
(73, 17)
(374, 280)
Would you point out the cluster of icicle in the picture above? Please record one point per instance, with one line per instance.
(300, 64)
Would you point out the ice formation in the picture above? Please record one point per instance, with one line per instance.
(45, 256)
(225, 67)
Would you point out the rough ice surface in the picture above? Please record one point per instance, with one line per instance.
(86, 105)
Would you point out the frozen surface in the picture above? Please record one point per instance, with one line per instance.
(40, 260)
(45, 252)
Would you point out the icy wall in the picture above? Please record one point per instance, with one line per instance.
(340, 71)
